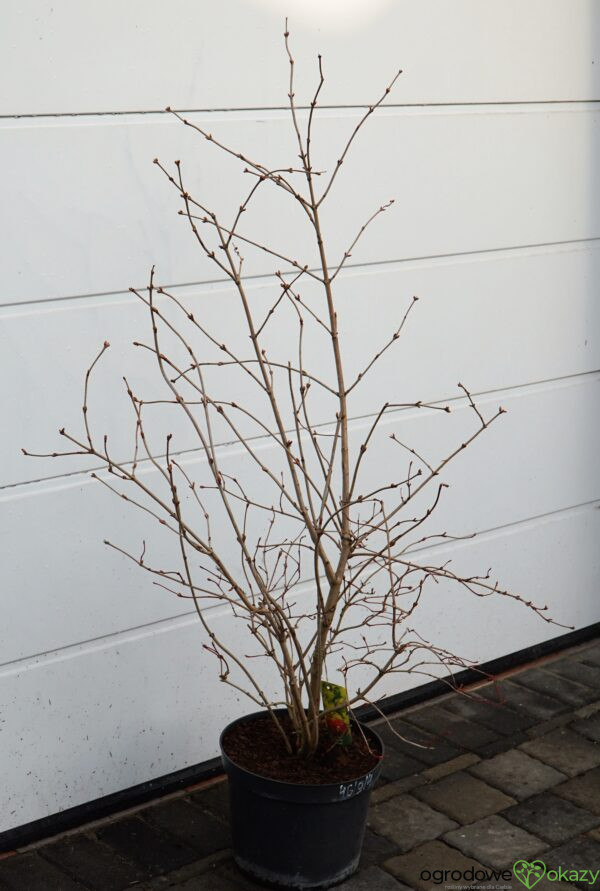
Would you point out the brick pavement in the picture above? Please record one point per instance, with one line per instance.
(498, 782)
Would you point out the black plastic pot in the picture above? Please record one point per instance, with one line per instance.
(297, 836)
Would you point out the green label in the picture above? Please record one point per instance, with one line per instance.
(337, 718)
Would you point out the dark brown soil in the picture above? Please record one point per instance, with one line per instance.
(257, 746)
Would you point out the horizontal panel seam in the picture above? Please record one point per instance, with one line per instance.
(261, 108)
(480, 252)
(92, 643)
(539, 385)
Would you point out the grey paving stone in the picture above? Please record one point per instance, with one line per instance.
(206, 865)
(524, 700)
(588, 727)
(210, 882)
(239, 880)
(551, 818)
(493, 841)
(396, 765)
(432, 857)
(586, 711)
(579, 672)
(408, 822)
(583, 790)
(137, 841)
(376, 848)
(93, 863)
(214, 800)
(456, 730)
(372, 879)
(517, 774)
(201, 831)
(429, 748)
(569, 692)
(495, 715)
(590, 655)
(503, 744)
(577, 854)
(389, 790)
(547, 726)
(219, 878)
(463, 797)
(29, 872)
(566, 750)
(431, 774)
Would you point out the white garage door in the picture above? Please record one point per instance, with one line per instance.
(489, 144)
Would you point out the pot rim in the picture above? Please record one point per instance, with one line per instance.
(283, 783)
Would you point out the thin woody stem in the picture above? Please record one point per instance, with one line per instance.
(317, 562)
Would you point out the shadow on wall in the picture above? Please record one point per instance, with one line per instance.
(592, 316)
(592, 63)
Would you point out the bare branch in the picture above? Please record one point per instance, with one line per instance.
(270, 518)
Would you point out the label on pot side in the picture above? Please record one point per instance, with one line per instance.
(347, 790)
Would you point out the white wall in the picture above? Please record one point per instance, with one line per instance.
(489, 144)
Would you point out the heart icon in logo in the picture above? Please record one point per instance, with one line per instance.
(529, 873)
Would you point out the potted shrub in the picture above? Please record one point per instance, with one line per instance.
(302, 509)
